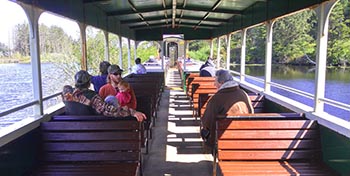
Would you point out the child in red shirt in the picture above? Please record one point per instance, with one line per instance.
(124, 94)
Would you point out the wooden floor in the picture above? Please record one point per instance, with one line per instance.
(176, 147)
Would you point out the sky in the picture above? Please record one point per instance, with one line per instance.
(12, 14)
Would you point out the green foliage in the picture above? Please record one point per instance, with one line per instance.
(21, 39)
(236, 45)
(339, 34)
(256, 38)
(113, 48)
(147, 49)
(292, 37)
(199, 50)
(95, 42)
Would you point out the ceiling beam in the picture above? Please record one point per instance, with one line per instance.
(160, 8)
(157, 18)
(133, 7)
(173, 12)
(151, 25)
(96, 1)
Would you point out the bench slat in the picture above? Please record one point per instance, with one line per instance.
(95, 125)
(267, 134)
(267, 144)
(120, 169)
(267, 115)
(111, 156)
(90, 146)
(275, 168)
(264, 124)
(268, 154)
(89, 136)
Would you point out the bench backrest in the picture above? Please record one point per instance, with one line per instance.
(257, 100)
(197, 81)
(279, 140)
(108, 141)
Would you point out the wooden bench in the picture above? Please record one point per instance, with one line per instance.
(188, 79)
(87, 148)
(269, 146)
(146, 130)
(257, 100)
(197, 81)
(145, 105)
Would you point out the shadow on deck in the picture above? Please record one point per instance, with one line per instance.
(176, 147)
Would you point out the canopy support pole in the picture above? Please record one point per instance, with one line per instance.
(323, 11)
(218, 53)
(268, 56)
(243, 52)
(228, 51)
(33, 15)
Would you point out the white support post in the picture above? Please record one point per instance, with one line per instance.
(120, 51)
(82, 28)
(129, 56)
(218, 53)
(162, 53)
(135, 49)
(228, 51)
(106, 45)
(211, 48)
(323, 11)
(243, 52)
(33, 15)
(184, 58)
(268, 56)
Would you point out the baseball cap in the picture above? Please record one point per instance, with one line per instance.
(114, 69)
(82, 77)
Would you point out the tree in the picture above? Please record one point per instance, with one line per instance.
(199, 49)
(339, 34)
(292, 37)
(21, 39)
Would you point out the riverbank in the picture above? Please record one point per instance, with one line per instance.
(294, 65)
(9, 61)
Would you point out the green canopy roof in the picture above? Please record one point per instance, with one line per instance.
(150, 19)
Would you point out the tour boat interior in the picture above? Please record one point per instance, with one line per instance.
(282, 137)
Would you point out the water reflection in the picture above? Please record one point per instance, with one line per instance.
(302, 78)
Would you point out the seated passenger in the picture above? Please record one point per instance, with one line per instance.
(67, 93)
(207, 69)
(138, 68)
(100, 80)
(228, 100)
(111, 88)
(124, 94)
(88, 102)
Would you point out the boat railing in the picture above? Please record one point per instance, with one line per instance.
(32, 103)
(328, 101)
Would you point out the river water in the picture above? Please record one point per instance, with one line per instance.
(302, 78)
(16, 88)
(16, 85)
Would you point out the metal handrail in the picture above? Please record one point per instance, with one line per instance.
(299, 92)
(52, 96)
(7, 112)
(292, 90)
(19, 108)
(336, 103)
